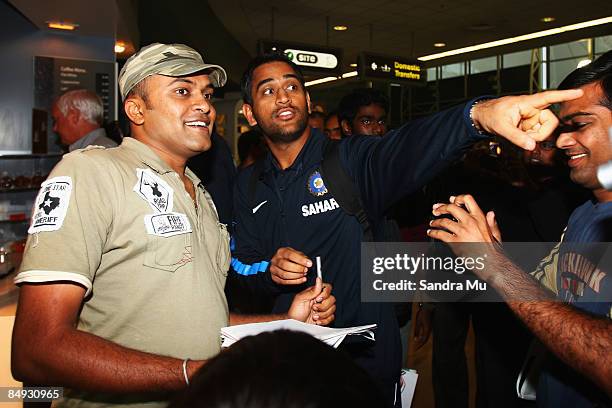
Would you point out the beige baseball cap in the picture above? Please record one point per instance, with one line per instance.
(166, 59)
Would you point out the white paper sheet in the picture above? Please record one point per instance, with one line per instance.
(328, 335)
(409, 378)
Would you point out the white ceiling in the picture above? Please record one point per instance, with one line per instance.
(405, 28)
(94, 17)
(396, 27)
(101, 18)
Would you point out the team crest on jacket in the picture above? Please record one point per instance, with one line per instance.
(316, 185)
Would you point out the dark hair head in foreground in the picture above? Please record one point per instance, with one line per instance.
(281, 369)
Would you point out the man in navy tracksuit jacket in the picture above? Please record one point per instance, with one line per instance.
(290, 218)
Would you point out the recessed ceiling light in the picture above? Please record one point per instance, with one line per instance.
(353, 65)
(340, 28)
(59, 25)
(547, 19)
(119, 47)
(439, 45)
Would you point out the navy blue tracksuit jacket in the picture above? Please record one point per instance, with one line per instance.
(292, 209)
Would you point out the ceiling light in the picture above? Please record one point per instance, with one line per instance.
(59, 25)
(119, 47)
(340, 28)
(547, 19)
(583, 63)
(353, 65)
(331, 78)
(439, 45)
(525, 37)
(320, 81)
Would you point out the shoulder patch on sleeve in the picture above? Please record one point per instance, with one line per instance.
(51, 205)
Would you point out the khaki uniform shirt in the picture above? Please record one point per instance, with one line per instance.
(120, 223)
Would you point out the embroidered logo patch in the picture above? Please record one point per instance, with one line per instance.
(51, 205)
(154, 190)
(316, 185)
(167, 224)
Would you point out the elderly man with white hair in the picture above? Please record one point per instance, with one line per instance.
(77, 119)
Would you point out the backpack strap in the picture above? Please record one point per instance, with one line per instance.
(343, 188)
(256, 175)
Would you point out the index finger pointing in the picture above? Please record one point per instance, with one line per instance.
(544, 99)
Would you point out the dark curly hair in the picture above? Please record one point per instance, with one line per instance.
(600, 71)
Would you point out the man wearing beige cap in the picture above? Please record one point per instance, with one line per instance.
(122, 279)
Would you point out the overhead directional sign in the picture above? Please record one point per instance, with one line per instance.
(375, 66)
(309, 57)
(312, 59)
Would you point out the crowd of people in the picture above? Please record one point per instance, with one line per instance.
(139, 254)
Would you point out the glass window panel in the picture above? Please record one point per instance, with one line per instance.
(603, 44)
(483, 65)
(453, 70)
(431, 74)
(569, 50)
(560, 69)
(516, 59)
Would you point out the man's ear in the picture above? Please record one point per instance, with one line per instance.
(247, 111)
(346, 128)
(73, 116)
(133, 108)
(308, 103)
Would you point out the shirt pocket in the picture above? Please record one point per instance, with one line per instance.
(223, 252)
(168, 253)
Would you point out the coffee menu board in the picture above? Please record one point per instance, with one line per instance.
(54, 76)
